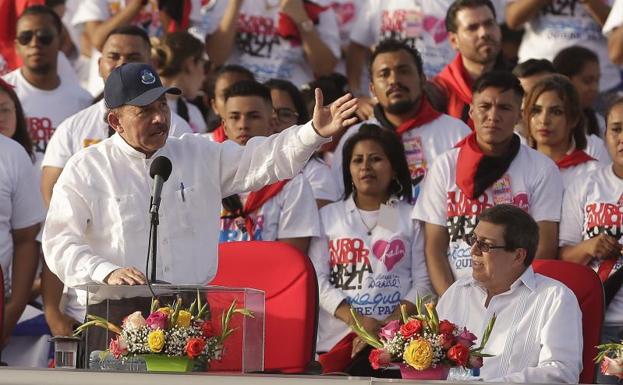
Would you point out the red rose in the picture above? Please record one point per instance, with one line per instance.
(446, 327)
(207, 329)
(459, 353)
(194, 347)
(379, 358)
(411, 328)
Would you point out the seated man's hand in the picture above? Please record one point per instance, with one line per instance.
(60, 324)
(126, 276)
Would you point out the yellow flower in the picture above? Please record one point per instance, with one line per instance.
(155, 340)
(183, 319)
(419, 354)
(166, 310)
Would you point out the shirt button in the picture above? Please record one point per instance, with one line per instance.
(165, 241)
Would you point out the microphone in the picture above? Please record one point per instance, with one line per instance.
(160, 171)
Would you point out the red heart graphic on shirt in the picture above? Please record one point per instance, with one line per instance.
(390, 253)
(437, 27)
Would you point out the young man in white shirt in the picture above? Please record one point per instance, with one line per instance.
(487, 168)
(97, 224)
(284, 211)
(397, 79)
(45, 98)
(537, 337)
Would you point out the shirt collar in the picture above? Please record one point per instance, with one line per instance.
(527, 279)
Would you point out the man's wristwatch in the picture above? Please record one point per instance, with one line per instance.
(307, 25)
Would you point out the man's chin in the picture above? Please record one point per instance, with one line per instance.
(401, 107)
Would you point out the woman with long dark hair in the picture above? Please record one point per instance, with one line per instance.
(12, 119)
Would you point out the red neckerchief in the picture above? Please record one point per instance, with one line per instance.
(218, 135)
(605, 267)
(455, 81)
(573, 159)
(256, 199)
(287, 29)
(426, 114)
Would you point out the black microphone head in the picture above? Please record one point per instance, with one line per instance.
(161, 166)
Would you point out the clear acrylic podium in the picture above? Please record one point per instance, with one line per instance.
(243, 351)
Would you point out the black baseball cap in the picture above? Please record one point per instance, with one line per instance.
(135, 84)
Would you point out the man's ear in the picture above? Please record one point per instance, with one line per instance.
(454, 41)
(520, 256)
(471, 111)
(114, 122)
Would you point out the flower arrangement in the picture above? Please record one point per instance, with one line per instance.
(611, 358)
(422, 342)
(169, 330)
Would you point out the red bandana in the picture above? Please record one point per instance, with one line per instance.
(218, 135)
(573, 159)
(426, 114)
(287, 29)
(458, 88)
(256, 199)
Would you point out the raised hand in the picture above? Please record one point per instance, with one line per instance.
(336, 117)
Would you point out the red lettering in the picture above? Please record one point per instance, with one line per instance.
(458, 204)
(344, 251)
(603, 214)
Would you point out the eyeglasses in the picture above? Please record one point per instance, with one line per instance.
(44, 36)
(484, 247)
(286, 115)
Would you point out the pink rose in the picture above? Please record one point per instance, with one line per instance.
(379, 358)
(118, 347)
(475, 362)
(157, 320)
(612, 367)
(134, 321)
(390, 329)
(466, 338)
(446, 340)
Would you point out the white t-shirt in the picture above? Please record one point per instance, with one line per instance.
(591, 206)
(562, 24)
(260, 49)
(319, 176)
(45, 110)
(596, 147)
(422, 146)
(292, 213)
(532, 182)
(421, 23)
(615, 18)
(21, 205)
(371, 272)
(580, 171)
(87, 127)
(195, 119)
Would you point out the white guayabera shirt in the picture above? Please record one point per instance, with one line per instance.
(537, 337)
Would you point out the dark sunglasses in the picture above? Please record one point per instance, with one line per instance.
(44, 36)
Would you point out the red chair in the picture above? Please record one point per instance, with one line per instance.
(289, 281)
(588, 289)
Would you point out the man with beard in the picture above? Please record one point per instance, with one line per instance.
(46, 99)
(474, 33)
(397, 81)
(487, 168)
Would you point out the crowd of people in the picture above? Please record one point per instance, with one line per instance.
(409, 148)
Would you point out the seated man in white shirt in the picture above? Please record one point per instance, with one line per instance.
(537, 337)
(98, 224)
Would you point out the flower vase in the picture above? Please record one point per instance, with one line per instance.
(164, 363)
(440, 372)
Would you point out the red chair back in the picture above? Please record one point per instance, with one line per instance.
(289, 281)
(588, 289)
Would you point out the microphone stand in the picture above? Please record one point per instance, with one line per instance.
(152, 251)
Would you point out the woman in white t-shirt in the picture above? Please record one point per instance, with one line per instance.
(289, 108)
(592, 224)
(12, 118)
(370, 253)
(179, 60)
(555, 126)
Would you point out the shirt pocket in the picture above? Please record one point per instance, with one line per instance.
(185, 206)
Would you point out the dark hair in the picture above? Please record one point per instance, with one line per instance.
(21, 134)
(295, 95)
(333, 87)
(616, 103)
(391, 45)
(571, 101)
(520, 230)
(37, 10)
(54, 3)
(248, 88)
(170, 52)
(131, 30)
(533, 67)
(394, 150)
(226, 69)
(498, 79)
(459, 5)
